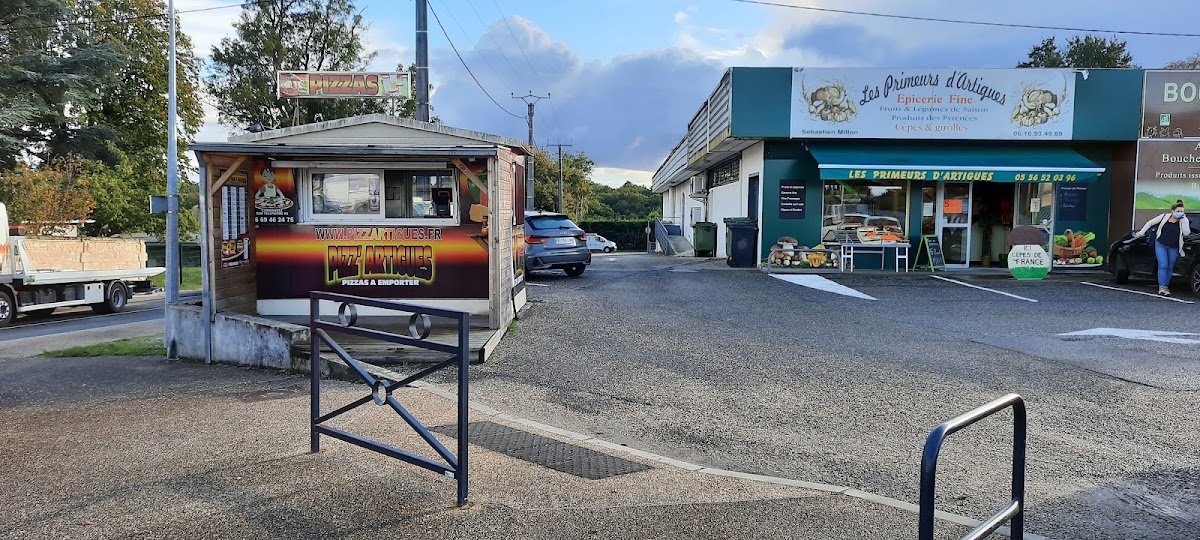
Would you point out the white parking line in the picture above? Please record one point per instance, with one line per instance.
(1136, 292)
(536, 284)
(821, 284)
(983, 288)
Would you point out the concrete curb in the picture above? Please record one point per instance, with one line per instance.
(692, 467)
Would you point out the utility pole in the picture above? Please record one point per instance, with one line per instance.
(561, 208)
(422, 60)
(172, 171)
(533, 148)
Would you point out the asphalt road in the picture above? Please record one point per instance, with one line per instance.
(142, 307)
(745, 371)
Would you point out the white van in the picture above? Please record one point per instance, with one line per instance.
(596, 242)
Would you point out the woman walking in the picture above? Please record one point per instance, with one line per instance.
(1168, 242)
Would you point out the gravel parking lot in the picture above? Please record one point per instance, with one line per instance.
(741, 370)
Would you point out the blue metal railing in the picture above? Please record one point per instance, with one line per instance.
(419, 326)
(1014, 511)
(661, 236)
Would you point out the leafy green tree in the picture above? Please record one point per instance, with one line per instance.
(48, 71)
(274, 35)
(1082, 52)
(630, 201)
(134, 108)
(577, 185)
(50, 197)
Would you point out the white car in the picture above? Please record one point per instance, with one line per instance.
(596, 242)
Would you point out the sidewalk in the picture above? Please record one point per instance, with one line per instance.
(147, 448)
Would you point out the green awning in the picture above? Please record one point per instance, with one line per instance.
(946, 164)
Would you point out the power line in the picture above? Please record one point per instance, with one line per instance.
(963, 21)
(553, 109)
(133, 18)
(491, 37)
(464, 63)
(468, 36)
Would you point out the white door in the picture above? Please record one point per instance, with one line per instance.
(954, 222)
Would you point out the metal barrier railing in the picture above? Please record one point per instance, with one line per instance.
(662, 236)
(1014, 511)
(419, 327)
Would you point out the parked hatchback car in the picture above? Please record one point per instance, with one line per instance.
(596, 242)
(554, 242)
(1134, 258)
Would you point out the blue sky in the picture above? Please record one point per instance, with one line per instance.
(626, 76)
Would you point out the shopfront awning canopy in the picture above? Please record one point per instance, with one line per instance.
(933, 164)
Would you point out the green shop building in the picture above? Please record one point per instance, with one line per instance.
(891, 155)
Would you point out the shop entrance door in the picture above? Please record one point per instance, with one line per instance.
(954, 222)
(1035, 206)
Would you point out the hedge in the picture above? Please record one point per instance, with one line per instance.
(629, 234)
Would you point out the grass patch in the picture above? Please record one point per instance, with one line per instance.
(512, 325)
(191, 279)
(138, 346)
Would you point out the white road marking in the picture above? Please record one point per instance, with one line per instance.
(686, 270)
(1129, 333)
(537, 284)
(983, 288)
(821, 284)
(1173, 299)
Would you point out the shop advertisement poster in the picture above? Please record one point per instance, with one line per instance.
(791, 199)
(1167, 171)
(994, 104)
(235, 233)
(274, 196)
(1171, 104)
(381, 260)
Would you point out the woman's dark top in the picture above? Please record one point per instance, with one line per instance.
(1168, 234)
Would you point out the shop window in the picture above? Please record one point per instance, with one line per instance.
(382, 195)
(875, 211)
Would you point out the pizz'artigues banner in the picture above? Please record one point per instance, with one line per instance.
(379, 260)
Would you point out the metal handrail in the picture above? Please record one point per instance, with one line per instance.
(1014, 510)
(419, 326)
(663, 237)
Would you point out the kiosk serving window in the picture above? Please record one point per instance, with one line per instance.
(381, 195)
(876, 210)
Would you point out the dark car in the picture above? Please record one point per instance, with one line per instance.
(553, 241)
(1132, 257)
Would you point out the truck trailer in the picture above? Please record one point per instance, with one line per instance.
(32, 291)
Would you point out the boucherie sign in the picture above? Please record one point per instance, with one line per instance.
(337, 84)
(1171, 104)
(996, 104)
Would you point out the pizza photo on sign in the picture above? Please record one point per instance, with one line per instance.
(269, 196)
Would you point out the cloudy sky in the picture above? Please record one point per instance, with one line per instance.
(625, 76)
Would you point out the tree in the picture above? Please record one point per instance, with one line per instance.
(577, 184)
(134, 108)
(274, 35)
(1086, 52)
(53, 196)
(630, 201)
(1191, 62)
(48, 71)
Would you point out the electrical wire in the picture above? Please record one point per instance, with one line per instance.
(491, 37)
(465, 66)
(963, 21)
(484, 57)
(553, 109)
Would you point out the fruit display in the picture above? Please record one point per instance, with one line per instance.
(1071, 249)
